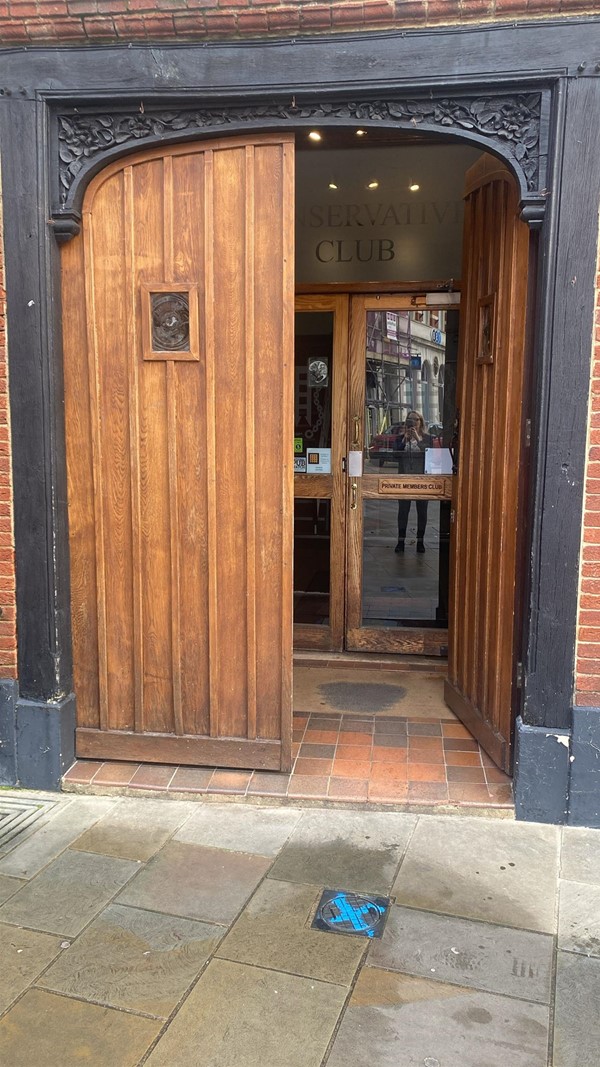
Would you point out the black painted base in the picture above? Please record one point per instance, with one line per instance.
(541, 775)
(37, 741)
(584, 792)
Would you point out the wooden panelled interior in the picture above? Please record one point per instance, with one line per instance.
(481, 682)
(179, 467)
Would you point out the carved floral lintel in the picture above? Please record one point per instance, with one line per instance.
(510, 120)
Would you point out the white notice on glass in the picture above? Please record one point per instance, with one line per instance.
(438, 461)
(355, 464)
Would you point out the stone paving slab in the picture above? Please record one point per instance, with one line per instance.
(579, 918)
(239, 1016)
(199, 883)
(24, 954)
(69, 893)
(134, 829)
(394, 1020)
(497, 959)
(9, 886)
(239, 828)
(54, 836)
(274, 931)
(504, 873)
(580, 860)
(576, 1016)
(140, 960)
(47, 1030)
(356, 851)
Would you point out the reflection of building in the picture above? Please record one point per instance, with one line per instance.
(405, 367)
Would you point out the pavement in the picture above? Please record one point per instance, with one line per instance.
(163, 932)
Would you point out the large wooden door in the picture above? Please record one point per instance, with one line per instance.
(481, 685)
(178, 309)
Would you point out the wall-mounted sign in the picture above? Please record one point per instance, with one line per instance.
(415, 362)
(298, 444)
(418, 486)
(300, 465)
(318, 461)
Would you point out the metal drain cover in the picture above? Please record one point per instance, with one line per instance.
(350, 913)
(17, 818)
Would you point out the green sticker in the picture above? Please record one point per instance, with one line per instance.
(298, 444)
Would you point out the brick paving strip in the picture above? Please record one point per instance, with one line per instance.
(158, 931)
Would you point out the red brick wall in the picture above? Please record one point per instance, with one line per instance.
(587, 679)
(85, 21)
(8, 625)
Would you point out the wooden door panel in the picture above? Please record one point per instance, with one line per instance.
(480, 685)
(181, 537)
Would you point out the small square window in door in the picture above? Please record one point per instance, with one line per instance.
(170, 322)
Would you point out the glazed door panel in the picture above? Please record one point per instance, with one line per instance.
(178, 307)
(484, 574)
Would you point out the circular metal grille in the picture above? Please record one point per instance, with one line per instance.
(351, 914)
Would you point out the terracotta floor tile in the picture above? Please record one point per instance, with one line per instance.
(358, 722)
(309, 751)
(320, 737)
(486, 760)
(324, 722)
(388, 772)
(230, 781)
(298, 735)
(425, 754)
(390, 740)
(300, 720)
(462, 759)
(295, 749)
(82, 772)
(152, 776)
(355, 738)
(426, 772)
(469, 792)
(348, 788)
(302, 785)
(465, 774)
(390, 726)
(455, 729)
(427, 791)
(424, 729)
(192, 779)
(460, 744)
(494, 774)
(313, 766)
(392, 790)
(501, 794)
(269, 783)
(346, 768)
(118, 773)
(384, 754)
(353, 752)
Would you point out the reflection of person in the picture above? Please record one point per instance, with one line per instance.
(409, 450)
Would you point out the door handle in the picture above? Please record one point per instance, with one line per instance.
(356, 441)
(353, 496)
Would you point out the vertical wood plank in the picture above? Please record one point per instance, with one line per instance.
(134, 458)
(287, 211)
(211, 474)
(250, 281)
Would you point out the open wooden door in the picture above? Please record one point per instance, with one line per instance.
(178, 308)
(481, 671)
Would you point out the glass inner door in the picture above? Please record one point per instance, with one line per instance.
(402, 400)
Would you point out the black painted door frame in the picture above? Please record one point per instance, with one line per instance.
(522, 91)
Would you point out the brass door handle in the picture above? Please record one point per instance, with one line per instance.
(356, 441)
(353, 496)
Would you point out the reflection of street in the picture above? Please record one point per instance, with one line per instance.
(399, 588)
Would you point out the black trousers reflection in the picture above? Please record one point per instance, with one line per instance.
(403, 511)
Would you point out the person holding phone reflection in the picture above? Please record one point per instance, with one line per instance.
(409, 450)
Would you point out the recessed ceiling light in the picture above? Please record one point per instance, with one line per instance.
(314, 135)
(332, 185)
(373, 185)
(414, 187)
(361, 133)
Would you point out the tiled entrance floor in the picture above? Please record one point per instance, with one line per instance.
(338, 758)
(412, 750)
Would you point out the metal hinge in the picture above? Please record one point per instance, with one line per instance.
(452, 515)
(519, 676)
(527, 432)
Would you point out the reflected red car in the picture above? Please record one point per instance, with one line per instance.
(382, 444)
